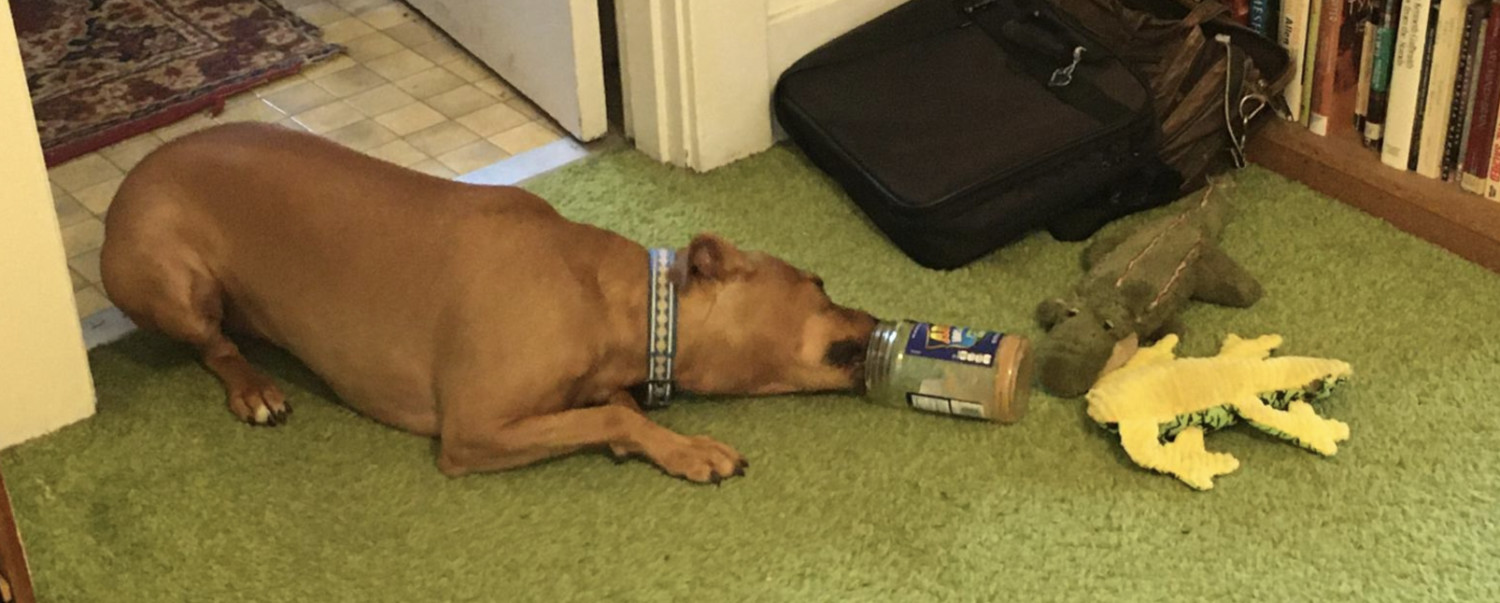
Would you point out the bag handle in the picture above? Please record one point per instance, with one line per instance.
(1039, 39)
(1203, 12)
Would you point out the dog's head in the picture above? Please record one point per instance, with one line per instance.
(758, 325)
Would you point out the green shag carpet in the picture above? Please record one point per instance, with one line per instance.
(164, 497)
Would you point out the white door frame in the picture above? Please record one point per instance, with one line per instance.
(698, 75)
(43, 364)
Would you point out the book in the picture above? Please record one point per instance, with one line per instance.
(1380, 71)
(1366, 66)
(1261, 17)
(1493, 181)
(1239, 10)
(1424, 82)
(1309, 56)
(1486, 103)
(1273, 17)
(1463, 99)
(1292, 35)
(1344, 104)
(1323, 102)
(1445, 47)
(1406, 75)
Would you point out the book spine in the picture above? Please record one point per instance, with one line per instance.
(1239, 10)
(1406, 73)
(1366, 67)
(1445, 49)
(1380, 72)
(1292, 35)
(1273, 16)
(1463, 94)
(1343, 108)
(1310, 56)
(1472, 101)
(1260, 16)
(1486, 103)
(1325, 67)
(1424, 83)
(1492, 189)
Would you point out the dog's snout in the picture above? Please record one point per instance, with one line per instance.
(849, 352)
(846, 353)
(848, 356)
(862, 322)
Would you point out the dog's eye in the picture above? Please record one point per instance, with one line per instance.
(819, 282)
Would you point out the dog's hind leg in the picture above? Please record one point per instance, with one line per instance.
(170, 291)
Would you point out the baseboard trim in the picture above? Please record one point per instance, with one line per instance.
(520, 168)
(105, 326)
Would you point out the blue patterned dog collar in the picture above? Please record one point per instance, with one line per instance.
(661, 316)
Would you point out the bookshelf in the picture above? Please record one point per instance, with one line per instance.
(1459, 221)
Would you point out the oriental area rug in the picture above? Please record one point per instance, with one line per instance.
(101, 71)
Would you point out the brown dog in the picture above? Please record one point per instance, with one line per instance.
(474, 314)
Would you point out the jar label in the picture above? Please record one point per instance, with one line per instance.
(945, 406)
(954, 344)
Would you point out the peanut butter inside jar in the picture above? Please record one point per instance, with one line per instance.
(948, 369)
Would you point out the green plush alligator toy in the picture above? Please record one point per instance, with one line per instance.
(1160, 405)
(1135, 286)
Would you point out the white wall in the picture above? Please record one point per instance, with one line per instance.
(44, 373)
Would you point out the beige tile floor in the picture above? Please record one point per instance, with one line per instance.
(402, 92)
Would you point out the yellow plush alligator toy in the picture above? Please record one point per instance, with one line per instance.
(1160, 404)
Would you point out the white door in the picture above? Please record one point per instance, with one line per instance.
(550, 50)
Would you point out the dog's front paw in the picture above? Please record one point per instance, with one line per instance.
(259, 402)
(696, 458)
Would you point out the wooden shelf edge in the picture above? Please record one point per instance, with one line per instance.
(12, 557)
(1461, 222)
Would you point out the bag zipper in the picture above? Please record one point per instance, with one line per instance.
(946, 204)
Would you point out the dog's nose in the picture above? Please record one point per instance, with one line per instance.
(846, 353)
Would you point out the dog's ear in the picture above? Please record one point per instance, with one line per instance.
(707, 258)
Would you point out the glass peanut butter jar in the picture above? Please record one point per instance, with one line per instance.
(949, 370)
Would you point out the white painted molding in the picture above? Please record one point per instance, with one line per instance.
(698, 86)
(801, 26)
(45, 379)
(698, 75)
(622, 51)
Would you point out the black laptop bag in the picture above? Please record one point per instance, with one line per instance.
(958, 126)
